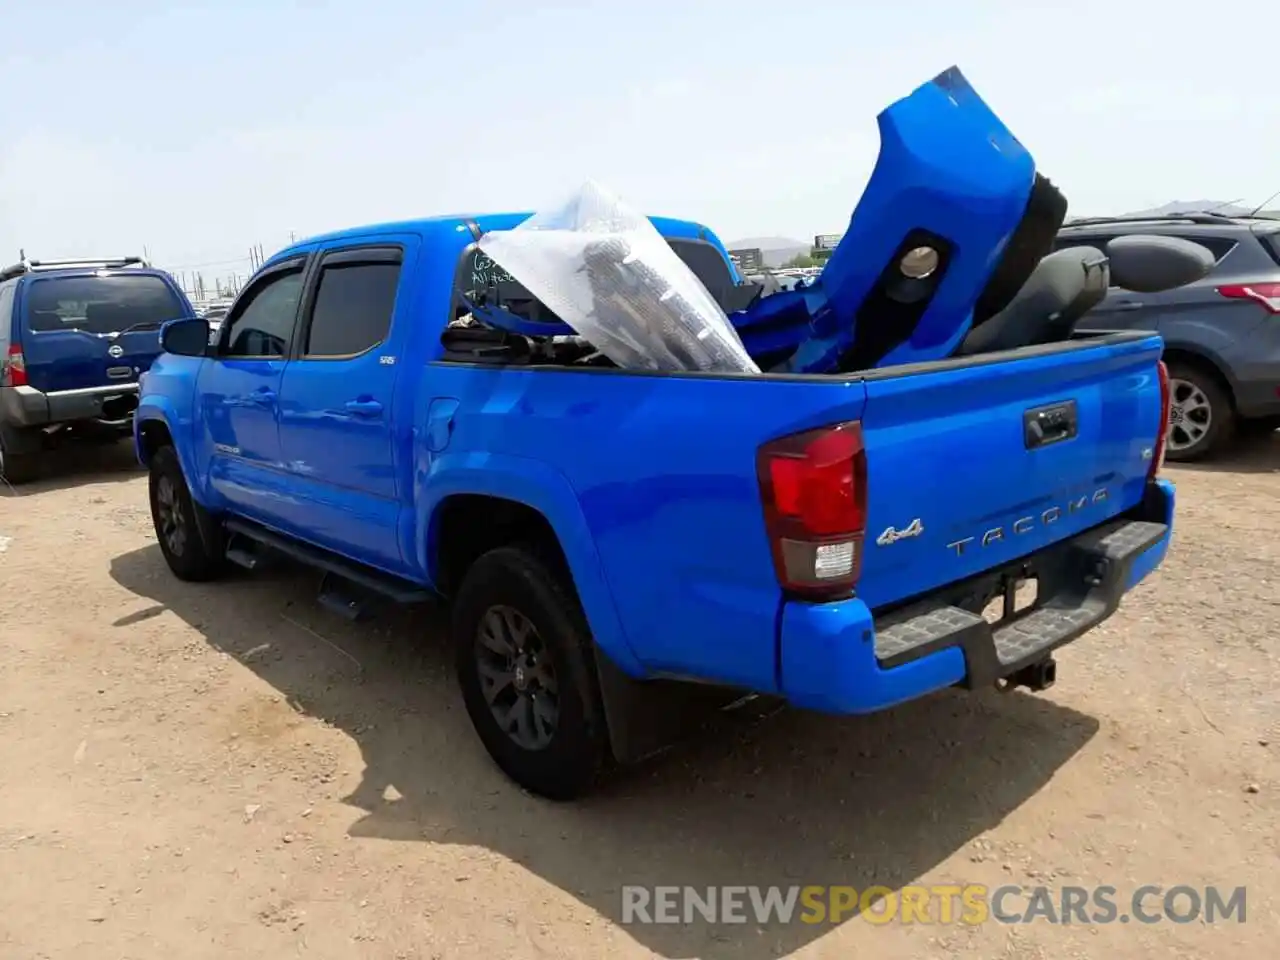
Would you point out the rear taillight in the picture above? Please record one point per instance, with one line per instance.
(13, 369)
(1266, 294)
(814, 489)
(1162, 436)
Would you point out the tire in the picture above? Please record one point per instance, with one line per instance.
(511, 598)
(1202, 422)
(17, 467)
(192, 542)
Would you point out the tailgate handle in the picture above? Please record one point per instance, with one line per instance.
(1042, 426)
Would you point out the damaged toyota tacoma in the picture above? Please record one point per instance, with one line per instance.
(624, 549)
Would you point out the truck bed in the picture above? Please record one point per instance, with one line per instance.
(665, 470)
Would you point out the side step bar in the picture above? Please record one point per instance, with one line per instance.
(338, 568)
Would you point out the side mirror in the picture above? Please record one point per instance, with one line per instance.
(188, 337)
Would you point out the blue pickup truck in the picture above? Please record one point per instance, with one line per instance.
(624, 551)
(606, 537)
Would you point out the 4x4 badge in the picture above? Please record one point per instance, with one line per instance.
(891, 536)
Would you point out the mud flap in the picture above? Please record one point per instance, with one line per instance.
(646, 717)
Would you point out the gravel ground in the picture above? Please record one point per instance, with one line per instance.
(226, 770)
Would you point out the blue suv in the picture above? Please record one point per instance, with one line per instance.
(74, 337)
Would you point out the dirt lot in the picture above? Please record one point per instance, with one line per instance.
(230, 771)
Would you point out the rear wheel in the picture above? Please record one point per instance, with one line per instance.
(1201, 420)
(191, 540)
(524, 664)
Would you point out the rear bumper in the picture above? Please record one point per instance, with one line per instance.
(29, 407)
(838, 658)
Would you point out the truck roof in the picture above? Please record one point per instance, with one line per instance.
(669, 227)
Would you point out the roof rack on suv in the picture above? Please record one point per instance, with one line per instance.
(1204, 218)
(25, 265)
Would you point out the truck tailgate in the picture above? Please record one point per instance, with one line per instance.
(976, 464)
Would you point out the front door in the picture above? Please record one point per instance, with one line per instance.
(337, 417)
(239, 393)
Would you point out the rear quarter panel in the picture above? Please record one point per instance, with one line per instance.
(663, 470)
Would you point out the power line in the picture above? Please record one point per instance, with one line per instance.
(209, 263)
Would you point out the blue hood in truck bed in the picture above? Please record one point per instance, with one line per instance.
(949, 189)
(953, 220)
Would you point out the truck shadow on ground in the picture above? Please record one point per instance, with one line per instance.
(77, 463)
(796, 799)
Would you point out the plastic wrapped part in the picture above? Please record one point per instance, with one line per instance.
(604, 269)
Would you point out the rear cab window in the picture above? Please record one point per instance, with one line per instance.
(99, 304)
(480, 279)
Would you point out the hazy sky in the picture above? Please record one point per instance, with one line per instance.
(198, 129)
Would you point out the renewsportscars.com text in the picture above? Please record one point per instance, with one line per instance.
(969, 904)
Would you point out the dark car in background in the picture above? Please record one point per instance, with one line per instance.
(1222, 334)
(75, 335)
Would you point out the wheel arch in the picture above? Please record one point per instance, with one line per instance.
(505, 500)
(1205, 361)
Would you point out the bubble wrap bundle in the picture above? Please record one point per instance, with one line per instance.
(605, 270)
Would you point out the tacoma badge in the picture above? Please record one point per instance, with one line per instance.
(1031, 522)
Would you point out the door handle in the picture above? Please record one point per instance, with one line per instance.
(1128, 305)
(364, 408)
(263, 398)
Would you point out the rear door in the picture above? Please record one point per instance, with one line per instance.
(1201, 316)
(336, 400)
(93, 329)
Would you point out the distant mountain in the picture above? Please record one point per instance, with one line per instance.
(776, 250)
(1193, 206)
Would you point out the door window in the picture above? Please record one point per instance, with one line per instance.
(1218, 246)
(261, 322)
(354, 302)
